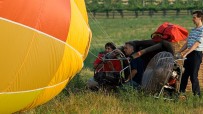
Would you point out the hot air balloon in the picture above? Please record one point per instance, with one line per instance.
(43, 44)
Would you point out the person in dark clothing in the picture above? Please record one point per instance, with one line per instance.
(136, 64)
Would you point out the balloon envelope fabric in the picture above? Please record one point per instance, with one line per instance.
(43, 44)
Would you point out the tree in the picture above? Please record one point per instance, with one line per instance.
(107, 7)
(198, 4)
(135, 5)
(118, 6)
(151, 7)
(178, 5)
(93, 6)
(164, 6)
(190, 5)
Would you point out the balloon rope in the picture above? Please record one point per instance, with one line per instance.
(97, 39)
(94, 54)
(100, 27)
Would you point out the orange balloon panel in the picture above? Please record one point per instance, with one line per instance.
(49, 16)
(43, 45)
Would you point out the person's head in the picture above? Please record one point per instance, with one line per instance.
(129, 48)
(197, 17)
(109, 47)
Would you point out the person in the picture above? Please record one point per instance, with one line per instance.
(136, 65)
(107, 66)
(102, 64)
(192, 51)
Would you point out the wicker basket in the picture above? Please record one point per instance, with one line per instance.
(177, 47)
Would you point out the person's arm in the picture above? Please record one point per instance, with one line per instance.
(194, 46)
(134, 66)
(98, 61)
(179, 53)
(98, 66)
(132, 75)
(184, 47)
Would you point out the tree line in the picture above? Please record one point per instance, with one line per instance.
(152, 6)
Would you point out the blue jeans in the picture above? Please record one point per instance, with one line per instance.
(132, 83)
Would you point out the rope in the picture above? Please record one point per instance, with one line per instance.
(98, 40)
(100, 27)
(94, 55)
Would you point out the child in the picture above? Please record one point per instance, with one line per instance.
(102, 65)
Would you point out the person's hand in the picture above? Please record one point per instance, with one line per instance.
(117, 52)
(184, 55)
(178, 55)
(103, 58)
(129, 58)
(126, 80)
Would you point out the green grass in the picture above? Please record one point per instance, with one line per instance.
(121, 30)
(77, 99)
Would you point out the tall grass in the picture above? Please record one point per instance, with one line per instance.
(76, 98)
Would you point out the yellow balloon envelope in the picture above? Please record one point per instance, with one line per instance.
(43, 44)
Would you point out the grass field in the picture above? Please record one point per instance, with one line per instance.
(77, 99)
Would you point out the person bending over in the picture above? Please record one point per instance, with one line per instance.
(136, 65)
